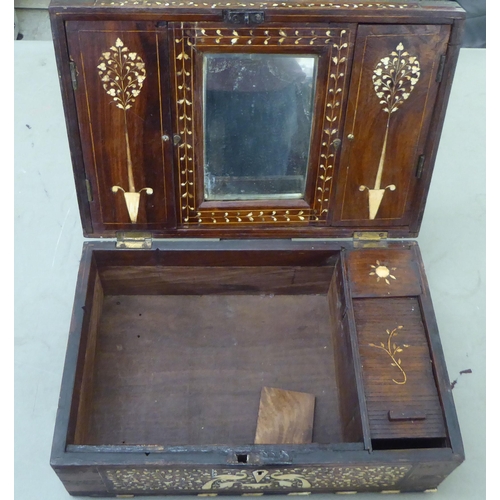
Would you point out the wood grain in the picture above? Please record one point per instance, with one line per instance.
(367, 123)
(105, 131)
(346, 373)
(383, 272)
(184, 280)
(285, 417)
(87, 385)
(386, 388)
(188, 370)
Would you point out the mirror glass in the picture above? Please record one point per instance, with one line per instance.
(257, 125)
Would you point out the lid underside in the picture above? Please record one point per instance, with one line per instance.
(259, 129)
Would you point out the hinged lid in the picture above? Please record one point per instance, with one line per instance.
(257, 123)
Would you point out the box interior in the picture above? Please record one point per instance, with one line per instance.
(178, 345)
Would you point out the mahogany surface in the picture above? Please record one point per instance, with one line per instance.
(351, 160)
(189, 369)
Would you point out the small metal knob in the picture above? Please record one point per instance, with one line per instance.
(177, 139)
(350, 137)
(165, 138)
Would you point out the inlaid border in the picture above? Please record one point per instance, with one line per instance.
(261, 5)
(205, 481)
(185, 39)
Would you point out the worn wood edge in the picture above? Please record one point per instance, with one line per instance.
(261, 232)
(422, 7)
(437, 120)
(365, 423)
(82, 416)
(62, 421)
(334, 313)
(194, 456)
(62, 56)
(438, 362)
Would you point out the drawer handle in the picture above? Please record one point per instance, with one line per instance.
(405, 416)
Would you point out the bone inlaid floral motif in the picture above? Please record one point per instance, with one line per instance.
(382, 272)
(186, 4)
(394, 78)
(209, 482)
(185, 40)
(392, 349)
(122, 73)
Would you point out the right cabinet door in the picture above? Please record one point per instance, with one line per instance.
(394, 84)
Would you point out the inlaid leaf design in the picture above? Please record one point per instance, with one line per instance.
(392, 350)
(394, 78)
(122, 73)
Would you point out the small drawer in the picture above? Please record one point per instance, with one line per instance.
(401, 394)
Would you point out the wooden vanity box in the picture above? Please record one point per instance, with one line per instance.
(259, 167)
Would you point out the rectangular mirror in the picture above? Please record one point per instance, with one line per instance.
(257, 125)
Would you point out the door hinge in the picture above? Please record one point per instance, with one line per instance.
(440, 71)
(420, 166)
(370, 235)
(88, 186)
(74, 74)
(134, 240)
(369, 238)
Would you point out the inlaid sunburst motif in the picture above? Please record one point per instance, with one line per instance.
(382, 272)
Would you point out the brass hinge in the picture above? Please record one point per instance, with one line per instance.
(135, 240)
(370, 235)
(89, 190)
(440, 71)
(74, 74)
(420, 166)
(367, 239)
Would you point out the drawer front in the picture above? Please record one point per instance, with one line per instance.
(400, 389)
(388, 293)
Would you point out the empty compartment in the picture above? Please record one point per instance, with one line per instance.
(178, 346)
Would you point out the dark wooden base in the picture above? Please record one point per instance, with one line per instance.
(170, 348)
(189, 369)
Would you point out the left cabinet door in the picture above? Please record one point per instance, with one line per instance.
(120, 85)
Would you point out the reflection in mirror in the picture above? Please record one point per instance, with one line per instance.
(257, 125)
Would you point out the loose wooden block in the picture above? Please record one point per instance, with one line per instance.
(285, 417)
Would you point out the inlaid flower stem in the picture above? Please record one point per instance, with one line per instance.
(392, 349)
(122, 74)
(394, 78)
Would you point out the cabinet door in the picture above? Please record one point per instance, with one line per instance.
(391, 99)
(257, 117)
(120, 94)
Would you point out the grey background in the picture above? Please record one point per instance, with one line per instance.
(475, 26)
(48, 245)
